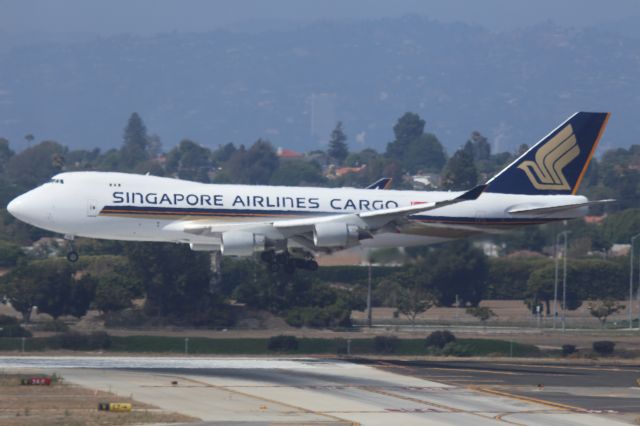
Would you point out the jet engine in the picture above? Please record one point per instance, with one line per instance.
(241, 243)
(335, 235)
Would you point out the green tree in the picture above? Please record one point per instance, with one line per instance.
(50, 285)
(5, 154)
(135, 143)
(413, 148)
(338, 150)
(35, 165)
(460, 172)
(408, 128)
(424, 153)
(10, 254)
(29, 138)
(176, 281)
(223, 153)
(113, 293)
(413, 300)
(507, 277)
(298, 172)
(454, 270)
(482, 313)
(478, 146)
(253, 166)
(540, 288)
(604, 309)
(189, 161)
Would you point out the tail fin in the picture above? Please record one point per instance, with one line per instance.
(382, 183)
(556, 164)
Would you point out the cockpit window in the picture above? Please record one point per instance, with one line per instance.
(60, 181)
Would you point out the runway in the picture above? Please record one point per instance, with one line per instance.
(261, 391)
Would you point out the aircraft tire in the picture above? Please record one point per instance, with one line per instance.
(268, 256)
(290, 267)
(72, 256)
(274, 267)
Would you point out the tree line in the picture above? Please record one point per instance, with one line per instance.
(178, 285)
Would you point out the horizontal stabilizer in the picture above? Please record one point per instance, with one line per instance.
(519, 210)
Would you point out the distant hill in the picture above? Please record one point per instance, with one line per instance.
(291, 86)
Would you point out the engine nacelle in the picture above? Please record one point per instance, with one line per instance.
(335, 235)
(241, 243)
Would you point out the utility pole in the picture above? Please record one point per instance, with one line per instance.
(638, 295)
(555, 282)
(564, 281)
(369, 320)
(630, 309)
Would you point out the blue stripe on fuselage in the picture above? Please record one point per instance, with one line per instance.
(199, 212)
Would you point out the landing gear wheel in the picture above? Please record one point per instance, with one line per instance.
(290, 267)
(311, 265)
(268, 256)
(72, 256)
(274, 267)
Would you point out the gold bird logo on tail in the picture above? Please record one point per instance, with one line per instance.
(546, 172)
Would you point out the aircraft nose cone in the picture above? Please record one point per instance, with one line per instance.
(16, 207)
(26, 209)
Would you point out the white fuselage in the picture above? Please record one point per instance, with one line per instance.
(132, 207)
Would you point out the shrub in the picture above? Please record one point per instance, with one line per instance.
(129, 318)
(78, 341)
(385, 344)
(458, 349)
(8, 320)
(336, 315)
(568, 349)
(604, 347)
(283, 343)
(53, 325)
(341, 346)
(439, 339)
(14, 330)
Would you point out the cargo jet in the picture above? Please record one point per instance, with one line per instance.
(288, 225)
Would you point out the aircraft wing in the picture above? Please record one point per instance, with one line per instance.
(369, 220)
(376, 219)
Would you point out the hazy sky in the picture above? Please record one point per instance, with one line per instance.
(152, 16)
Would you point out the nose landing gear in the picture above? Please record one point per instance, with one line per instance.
(287, 262)
(72, 254)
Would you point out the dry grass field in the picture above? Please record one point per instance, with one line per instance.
(70, 405)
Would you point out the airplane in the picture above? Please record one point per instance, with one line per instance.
(289, 225)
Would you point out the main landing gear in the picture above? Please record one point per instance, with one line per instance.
(72, 254)
(286, 262)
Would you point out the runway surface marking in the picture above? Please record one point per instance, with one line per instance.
(630, 368)
(249, 395)
(308, 391)
(528, 399)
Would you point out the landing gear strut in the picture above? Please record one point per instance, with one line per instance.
(72, 254)
(286, 262)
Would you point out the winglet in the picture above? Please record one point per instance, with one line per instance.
(472, 194)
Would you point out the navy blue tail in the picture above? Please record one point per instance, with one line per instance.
(556, 164)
